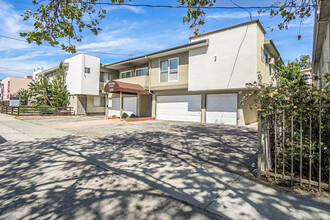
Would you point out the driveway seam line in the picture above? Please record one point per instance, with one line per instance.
(229, 185)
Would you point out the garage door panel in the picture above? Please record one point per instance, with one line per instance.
(129, 106)
(114, 107)
(221, 108)
(179, 108)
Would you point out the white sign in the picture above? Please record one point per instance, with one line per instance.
(14, 103)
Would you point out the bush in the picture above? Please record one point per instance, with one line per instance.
(133, 115)
(114, 116)
(124, 115)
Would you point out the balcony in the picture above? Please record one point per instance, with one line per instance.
(141, 80)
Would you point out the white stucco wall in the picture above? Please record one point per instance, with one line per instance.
(228, 62)
(79, 82)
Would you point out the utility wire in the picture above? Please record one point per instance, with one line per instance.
(89, 51)
(182, 6)
(242, 8)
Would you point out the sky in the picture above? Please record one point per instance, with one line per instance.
(134, 31)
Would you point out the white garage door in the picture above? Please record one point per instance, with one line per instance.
(129, 106)
(179, 108)
(221, 108)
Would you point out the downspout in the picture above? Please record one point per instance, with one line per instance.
(149, 72)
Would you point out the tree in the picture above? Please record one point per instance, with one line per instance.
(304, 62)
(40, 91)
(24, 96)
(54, 94)
(58, 20)
(59, 92)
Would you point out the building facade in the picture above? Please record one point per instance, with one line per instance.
(202, 81)
(84, 79)
(11, 85)
(321, 42)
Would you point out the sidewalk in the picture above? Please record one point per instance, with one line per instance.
(121, 164)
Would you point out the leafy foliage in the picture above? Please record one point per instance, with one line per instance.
(294, 107)
(40, 91)
(59, 92)
(58, 21)
(24, 96)
(304, 62)
(53, 94)
(290, 10)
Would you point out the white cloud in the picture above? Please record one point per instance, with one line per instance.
(233, 15)
(11, 24)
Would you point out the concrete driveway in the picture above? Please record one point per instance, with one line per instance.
(142, 170)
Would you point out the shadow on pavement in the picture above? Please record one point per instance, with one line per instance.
(2, 140)
(130, 175)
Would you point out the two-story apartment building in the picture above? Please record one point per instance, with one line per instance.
(12, 84)
(85, 79)
(321, 42)
(202, 81)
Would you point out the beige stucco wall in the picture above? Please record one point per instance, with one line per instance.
(91, 109)
(263, 67)
(15, 84)
(144, 105)
(73, 102)
(183, 71)
(141, 80)
(247, 112)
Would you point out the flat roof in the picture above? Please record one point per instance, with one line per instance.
(231, 27)
(181, 48)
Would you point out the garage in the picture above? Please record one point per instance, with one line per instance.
(129, 106)
(221, 108)
(179, 108)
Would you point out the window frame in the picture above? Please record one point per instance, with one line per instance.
(142, 69)
(101, 98)
(264, 56)
(121, 74)
(89, 70)
(169, 70)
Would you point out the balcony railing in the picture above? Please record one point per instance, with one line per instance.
(140, 80)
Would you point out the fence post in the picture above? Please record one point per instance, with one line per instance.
(259, 146)
(275, 149)
(301, 147)
(283, 144)
(320, 146)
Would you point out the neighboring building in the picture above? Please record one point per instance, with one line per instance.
(11, 85)
(308, 75)
(0, 89)
(85, 81)
(202, 81)
(321, 44)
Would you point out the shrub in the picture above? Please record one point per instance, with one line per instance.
(114, 116)
(124, 115)
(133, 115)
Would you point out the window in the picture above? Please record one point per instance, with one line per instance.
(126, 74)
(306, 77)
(264, 56)
(105, 77)
(141, 72)
(87, 70)
(169, 70)
(174, 64)
(164, 71)
(99, 101)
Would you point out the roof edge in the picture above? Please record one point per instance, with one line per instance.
(231, 27)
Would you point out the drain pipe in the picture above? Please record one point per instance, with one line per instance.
(149, 70)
